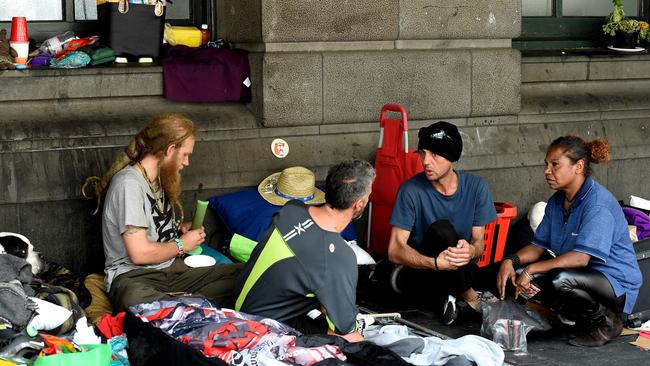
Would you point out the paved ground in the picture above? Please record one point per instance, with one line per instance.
(544, 348)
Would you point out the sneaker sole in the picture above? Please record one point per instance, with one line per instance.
(393, 279)
(450, 311)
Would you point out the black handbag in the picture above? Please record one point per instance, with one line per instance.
(131, 30)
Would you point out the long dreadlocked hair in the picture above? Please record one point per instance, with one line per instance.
(161, 132)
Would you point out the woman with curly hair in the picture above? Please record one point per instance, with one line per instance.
(591, 276)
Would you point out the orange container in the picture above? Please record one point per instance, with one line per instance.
(496, 233)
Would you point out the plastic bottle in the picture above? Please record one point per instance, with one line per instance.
(57, 43)
(205, 34)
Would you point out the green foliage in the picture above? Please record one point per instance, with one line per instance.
(616, 21)
(628, 25)
(644, 33)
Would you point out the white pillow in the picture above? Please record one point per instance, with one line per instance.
(48, 315)
(363, 258)
(536, 214)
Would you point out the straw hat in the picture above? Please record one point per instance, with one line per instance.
(292, 183)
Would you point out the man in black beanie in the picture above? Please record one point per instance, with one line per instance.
(438, 225)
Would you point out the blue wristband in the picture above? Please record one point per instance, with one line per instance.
(179, 245)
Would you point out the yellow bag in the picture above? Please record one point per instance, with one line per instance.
(185, 35)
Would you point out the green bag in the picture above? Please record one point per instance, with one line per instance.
(241, 247)
(99, 54)
(96, 355)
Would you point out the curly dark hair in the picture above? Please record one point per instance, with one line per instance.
(576, 149)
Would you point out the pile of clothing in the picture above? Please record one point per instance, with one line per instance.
(33, 305)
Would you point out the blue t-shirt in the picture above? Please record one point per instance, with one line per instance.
(418, 205)
(594, 225)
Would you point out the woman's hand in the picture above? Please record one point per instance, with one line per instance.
(506, 273)
(193, 238)
(524, 283)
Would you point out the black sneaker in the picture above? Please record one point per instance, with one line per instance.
(459, 311)
(450, 311)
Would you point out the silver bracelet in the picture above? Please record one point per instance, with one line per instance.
(525, 272)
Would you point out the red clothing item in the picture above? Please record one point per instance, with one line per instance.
(111, 326)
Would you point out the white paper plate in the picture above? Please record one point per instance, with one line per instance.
(200, 260)
(627, 50)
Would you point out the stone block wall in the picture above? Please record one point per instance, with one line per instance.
(321, 72)
(594, 97)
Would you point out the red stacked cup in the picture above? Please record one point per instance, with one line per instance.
(19, 30)
(19, 40)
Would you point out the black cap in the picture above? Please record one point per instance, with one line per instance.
(441, 138)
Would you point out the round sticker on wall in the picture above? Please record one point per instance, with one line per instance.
(280, 148)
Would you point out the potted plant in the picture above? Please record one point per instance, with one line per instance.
(626, 32)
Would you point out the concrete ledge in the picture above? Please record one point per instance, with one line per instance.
(576, 68)
(70, 119)
(584, 58)
(432, 44)
(329, 46)
(84, 85)
(639, 113)
(584, 96)
(558, 117)
(616, 70)
(554, 71)
(554, 59)
(114, 69)
(492, 121)
(342, 46)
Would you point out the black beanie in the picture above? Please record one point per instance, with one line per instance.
(441, 138)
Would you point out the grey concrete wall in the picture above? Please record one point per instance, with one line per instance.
(332, 87)
(321, 71)
(593, 97)
(49, 146)
(367, 20)
(431, 19)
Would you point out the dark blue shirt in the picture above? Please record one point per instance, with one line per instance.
(418, 205)
(594, 225)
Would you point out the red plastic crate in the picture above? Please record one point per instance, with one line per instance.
(496, 233)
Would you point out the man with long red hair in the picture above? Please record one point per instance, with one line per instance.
(142, 226)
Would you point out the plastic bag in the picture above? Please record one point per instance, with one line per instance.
(91, 355)
(72, 60)
(507, 322)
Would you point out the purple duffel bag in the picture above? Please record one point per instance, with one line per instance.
(206, 75)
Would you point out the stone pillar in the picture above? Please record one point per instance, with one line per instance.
(332, 61)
